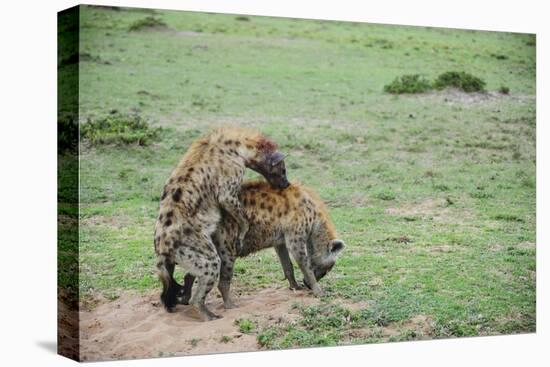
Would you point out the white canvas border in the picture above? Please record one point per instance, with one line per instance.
(28, 188)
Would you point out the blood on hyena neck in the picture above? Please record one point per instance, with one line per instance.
(229, 143)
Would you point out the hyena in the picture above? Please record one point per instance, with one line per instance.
(294, 219)
(206, 181)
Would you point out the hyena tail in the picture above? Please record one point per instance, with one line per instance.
(169, 293)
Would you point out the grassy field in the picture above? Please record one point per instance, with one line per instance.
(434, 193)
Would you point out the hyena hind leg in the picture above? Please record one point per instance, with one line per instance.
(205, 266)
(198, 299)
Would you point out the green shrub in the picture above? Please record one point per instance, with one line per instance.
(67, 134)
(414, 83)
(508, 217)
(459, 79)
(504, 89)
(245, 325)
(148, 22)
(119, 130)
(267, 338)
(385, 194)
(499, 56)
(226, 339)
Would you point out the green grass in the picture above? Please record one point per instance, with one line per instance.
(433, 193)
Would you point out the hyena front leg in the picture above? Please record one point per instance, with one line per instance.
(232, 205)
(297, 246)
(288, 269)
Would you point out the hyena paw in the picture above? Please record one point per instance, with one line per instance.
(318, 292)
(229, 305)
(297, 287)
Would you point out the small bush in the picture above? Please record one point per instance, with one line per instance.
(267, 338)
(67, 134)
(459, 79)
(504, 90)
(499, 56)
(226, 339)
(508, 217)
(385, 194)
(82, 57)
(408, 84)
(481, 194)
(383, 43)
(245, 325)
(242, 18)
(145, 23)
(119, 130)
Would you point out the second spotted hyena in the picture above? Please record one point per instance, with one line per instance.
(293, 220)
(206, 182)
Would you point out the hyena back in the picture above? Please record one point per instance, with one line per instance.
(206, 181)
(293, 220)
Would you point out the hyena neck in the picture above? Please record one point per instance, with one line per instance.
(247, 144)
(254, 149)
(247, 153)
(319, 241)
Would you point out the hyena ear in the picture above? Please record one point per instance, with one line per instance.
(276, 158)
(336, 246)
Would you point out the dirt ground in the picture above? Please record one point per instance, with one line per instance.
(137, 326)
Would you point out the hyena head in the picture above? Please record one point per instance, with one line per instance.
(324, 248)
(269, 163)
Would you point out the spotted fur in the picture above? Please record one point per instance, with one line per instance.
(205, 182)
(293, 220)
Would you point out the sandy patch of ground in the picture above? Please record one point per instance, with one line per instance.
(495, 247)
(428, 207)
(526, 245)
(420, 324)
(113, 221)
(457, 96)
(419, 327)
(67, 329)
(440, 248)
(137, 326)
(437, 209)
(188, 33)
(67, 220)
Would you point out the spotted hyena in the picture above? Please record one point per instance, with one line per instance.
(206, 182)
(294, 219)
